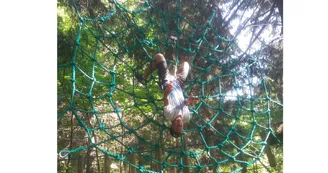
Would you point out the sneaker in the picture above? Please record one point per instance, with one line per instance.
(162, 84)
(140, 78)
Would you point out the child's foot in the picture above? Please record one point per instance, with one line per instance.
(161, 84)
(140, 78)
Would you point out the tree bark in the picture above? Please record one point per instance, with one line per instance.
(70, 143)
(58, 165)
(121, 163)
(97, 156)
(133, 161)
(158, 156)
(89, 158)
(268, 152)
(89, 161)
(141, 159)
(271, 158)
(177, 161)
(126, 167)
(80, 164)
(185, 157)
(107, 164)
(279, 135)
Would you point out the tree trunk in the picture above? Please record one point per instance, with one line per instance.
(89, 158)
(80, 164)
(107, 164)
(268, 152)
(271, 158)
(133, 161)
(158, 156)
(141, 159)
(89, 161)
(121, 163)
(70, 143)
(126, 167)
(97, 156)
(279, 134)
(98, 162)
(58, 165)
(185, 157)
(177, 157)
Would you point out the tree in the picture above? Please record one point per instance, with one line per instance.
(109, 51)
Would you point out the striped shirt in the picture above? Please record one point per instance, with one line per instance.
(176, 104)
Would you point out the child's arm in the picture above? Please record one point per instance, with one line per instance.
(190, 100)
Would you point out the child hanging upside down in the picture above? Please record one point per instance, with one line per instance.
(175, 106)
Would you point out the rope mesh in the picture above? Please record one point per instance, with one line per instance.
(230, 125)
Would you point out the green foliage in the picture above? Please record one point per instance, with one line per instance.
(99, 98)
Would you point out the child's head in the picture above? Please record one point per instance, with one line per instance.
(176, 127)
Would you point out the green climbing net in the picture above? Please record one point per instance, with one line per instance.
(230, 125)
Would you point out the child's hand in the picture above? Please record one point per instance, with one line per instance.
(190, 100)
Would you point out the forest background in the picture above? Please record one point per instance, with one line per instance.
(43, 87)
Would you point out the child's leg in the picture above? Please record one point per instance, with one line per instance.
(182, 72)
(158, 59)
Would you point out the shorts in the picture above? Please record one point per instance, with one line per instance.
(181, 75)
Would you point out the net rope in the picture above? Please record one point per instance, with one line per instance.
(102, 80)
